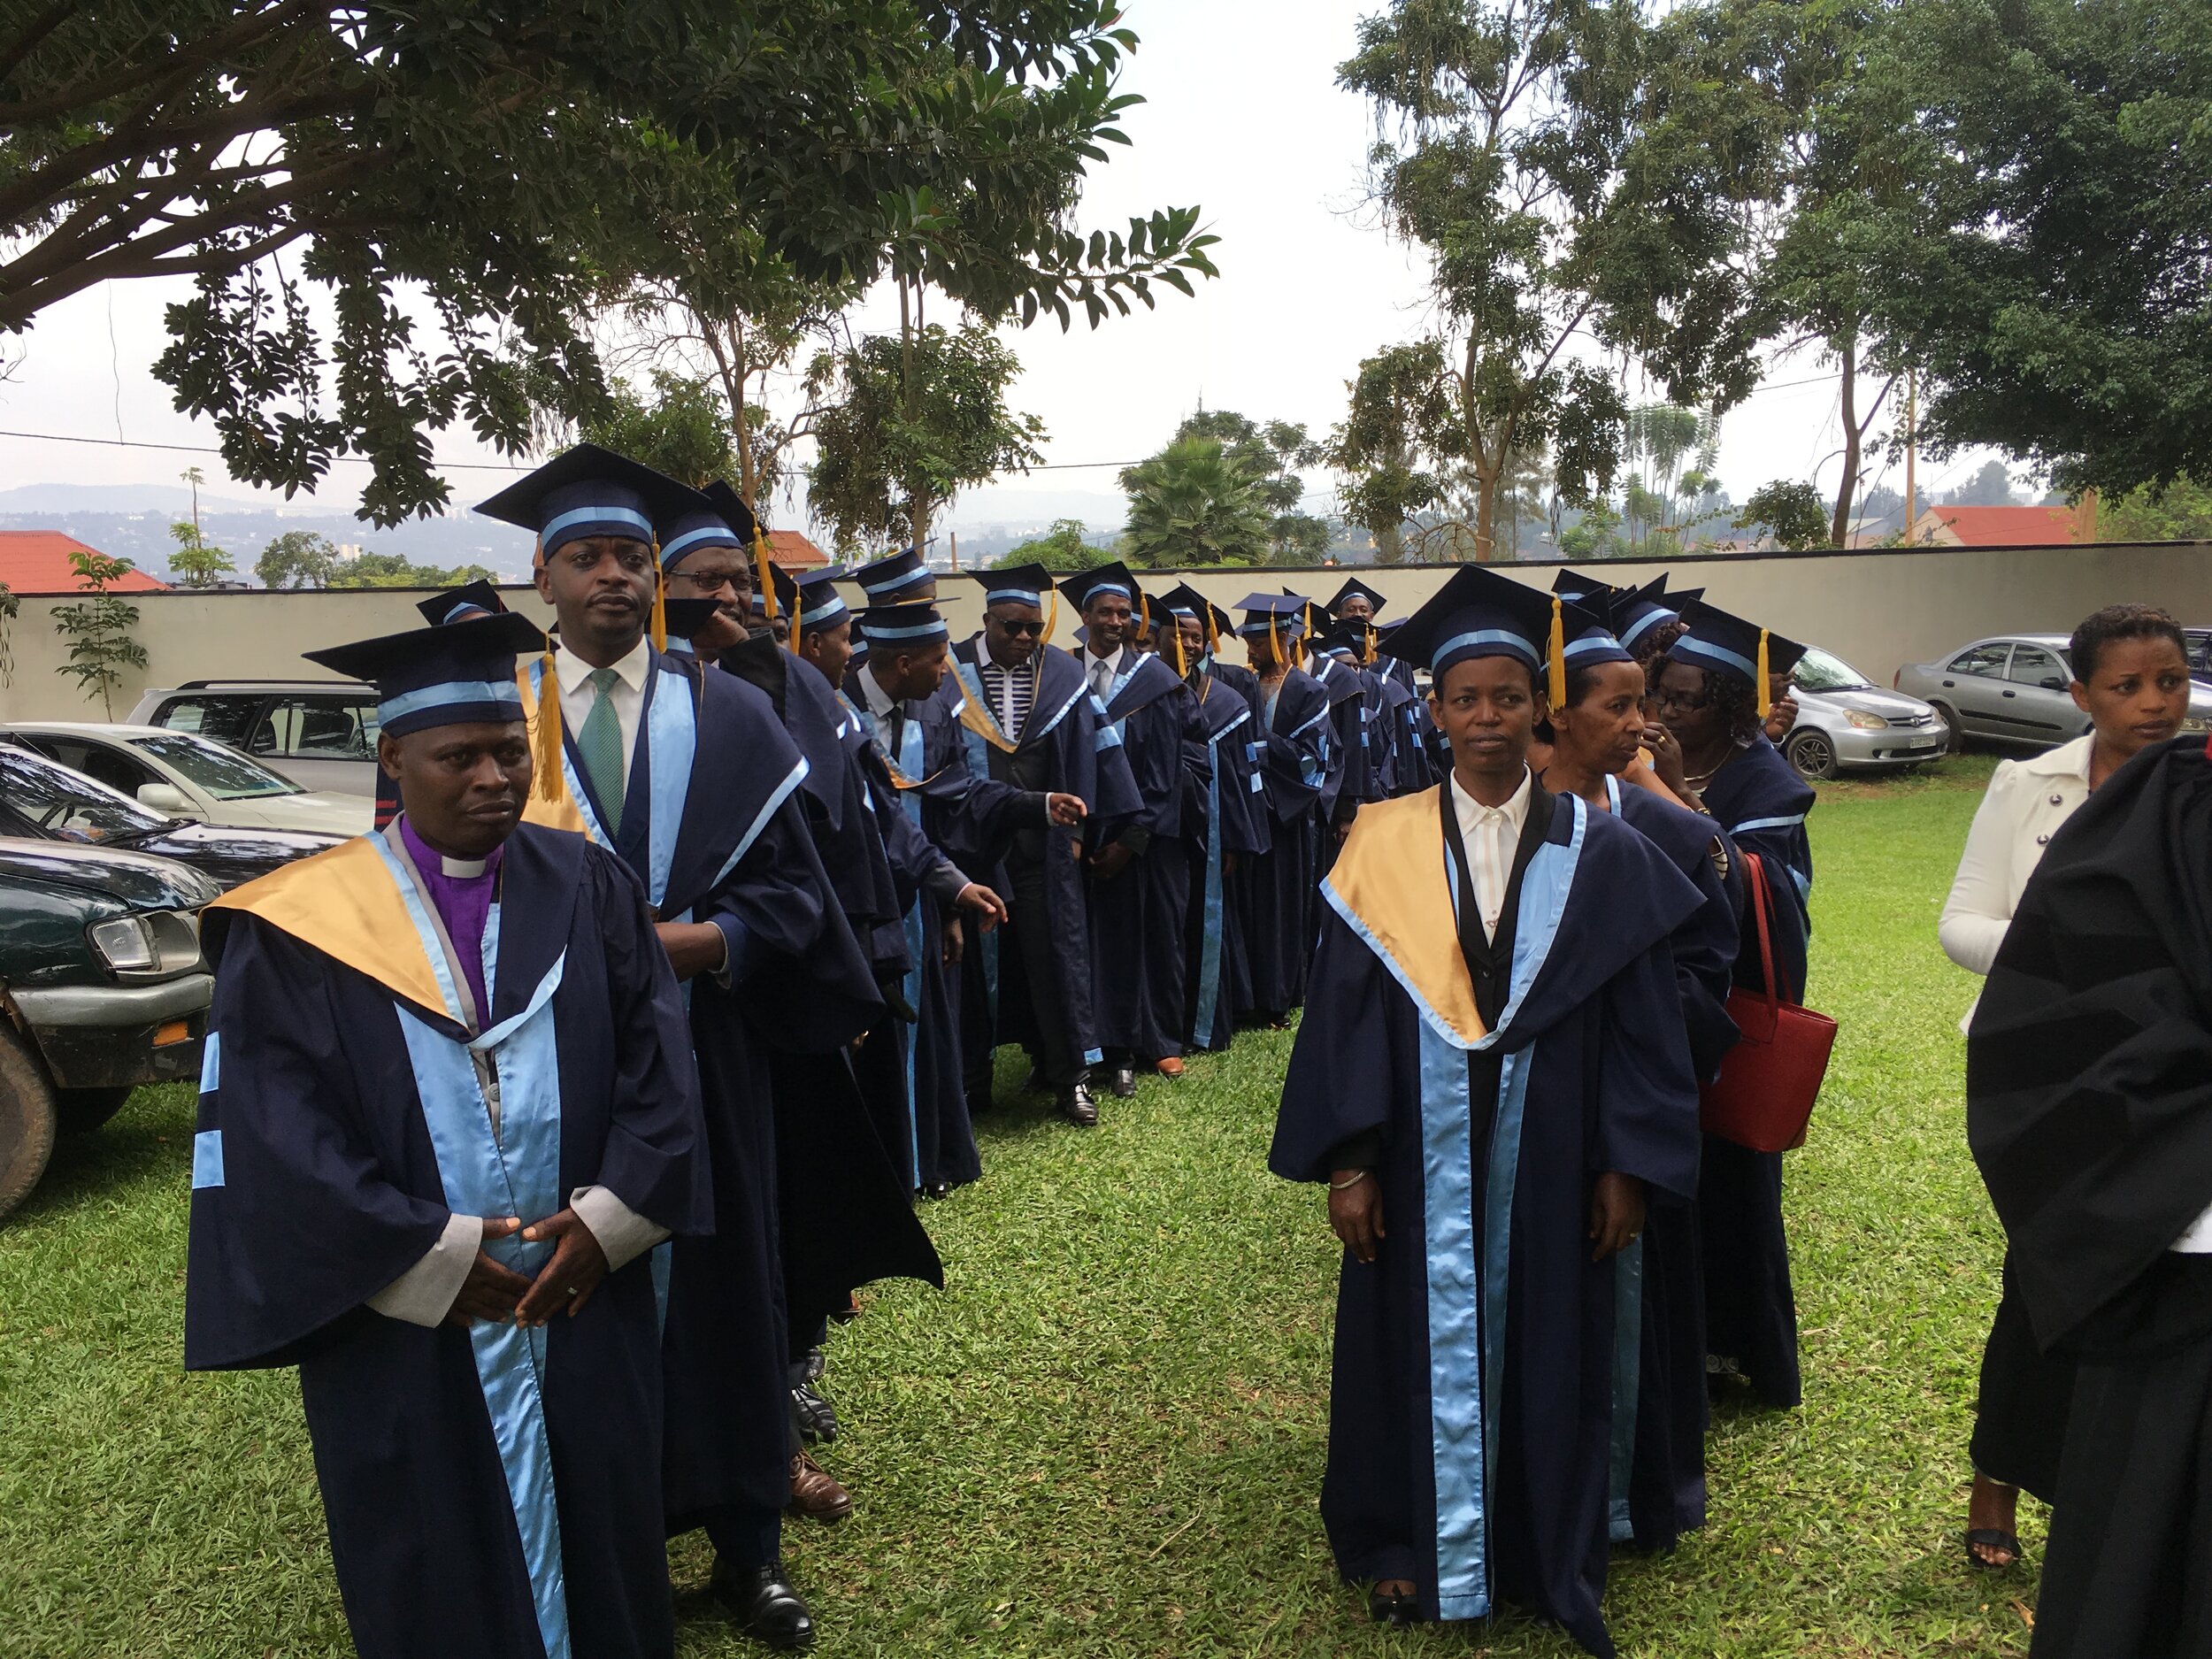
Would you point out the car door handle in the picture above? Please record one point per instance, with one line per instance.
(1949, 685)
(2008, 694)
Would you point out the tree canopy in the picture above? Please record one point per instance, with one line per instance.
(1066, 546)
(1196, 503)
(465, 181)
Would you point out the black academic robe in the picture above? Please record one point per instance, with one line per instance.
(1224, 821)
(1658, 1472)
(1412, 766)
(1492, 1081)
(1066, 747)
(1137, 919)
(710, 824)
(1290, 748)
(925, 784)
(1346, 780)
(489, 1490)
(1750, 1311)
(2089, 1109)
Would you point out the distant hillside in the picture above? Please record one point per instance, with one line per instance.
(143, 536)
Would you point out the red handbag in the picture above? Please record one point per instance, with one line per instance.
(1763, 1097)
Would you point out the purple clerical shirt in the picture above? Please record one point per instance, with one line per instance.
(465, 904)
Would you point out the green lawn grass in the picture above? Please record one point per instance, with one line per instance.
(1106, 1437)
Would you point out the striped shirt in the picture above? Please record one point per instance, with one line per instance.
(1010, 692)
(1491, 835)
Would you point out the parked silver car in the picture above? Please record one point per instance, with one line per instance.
(2013, 687)
(319, 732)
(1844, 720)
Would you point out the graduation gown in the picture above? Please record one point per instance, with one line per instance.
(1658, 1481)
(1413, 766)
(1223, 817)
(1472, 1393)
(1138, 919)
(2089, 1110)
(1066, 746)
(1290, 751)
(489, 1490)
(1751, 1313)
(710, 825)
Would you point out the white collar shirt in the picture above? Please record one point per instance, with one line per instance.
(628, 694)
(1102, 671)
(1491, 834)
(882, 707)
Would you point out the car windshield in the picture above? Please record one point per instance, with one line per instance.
(1817, 670)
(67, 805)
(223, 772)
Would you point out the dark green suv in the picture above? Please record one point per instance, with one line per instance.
(102, 988)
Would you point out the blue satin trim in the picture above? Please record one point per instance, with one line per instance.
(671, 736)
(211, 1064)
(1690, 645)
(207, 1158)
(452, 694)
(1082, 690)
(1628, 1361)
(914, 764)
(979, 764)
(781, 793)
(1768, 823)
(516, 1173)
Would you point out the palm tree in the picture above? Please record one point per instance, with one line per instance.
(1192, 505)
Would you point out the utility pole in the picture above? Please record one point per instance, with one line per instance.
(953, 537)
(1912, 449)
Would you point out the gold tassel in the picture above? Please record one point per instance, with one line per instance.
(764, 580)
(1052, 620)
(1274, 641)
(1763, 673)
(1144, 605)
(660, 601)
(1182, 661)
(545, 750)
(1558, 653)
(1372, 652)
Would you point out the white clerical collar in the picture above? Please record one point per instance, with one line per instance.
(574, 671)
(462, 869)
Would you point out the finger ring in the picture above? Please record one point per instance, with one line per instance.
(572, 1289)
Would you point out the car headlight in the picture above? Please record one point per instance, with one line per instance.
(1865, 722)
(154, 943)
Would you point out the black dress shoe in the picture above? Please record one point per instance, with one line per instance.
(1077, 1106)
(818, 1418)
(1394, 1609)
(1034, 1083)
(815, 1364)
(764, 1605)
(938, 1189)
(1121, 1082)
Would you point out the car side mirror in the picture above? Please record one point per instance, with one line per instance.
(164, 797)
(2052, 682)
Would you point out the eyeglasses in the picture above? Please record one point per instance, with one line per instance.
(1024, 630)
(711, 579)
(1681, 701)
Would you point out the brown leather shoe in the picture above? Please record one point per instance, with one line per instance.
(1169, 1065)
(814, 1494)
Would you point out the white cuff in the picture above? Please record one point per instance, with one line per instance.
(425, 1292)
(623, 1235)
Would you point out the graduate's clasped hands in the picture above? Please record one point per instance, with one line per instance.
(495, 1292)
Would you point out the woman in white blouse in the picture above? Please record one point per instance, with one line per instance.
(2132, 679)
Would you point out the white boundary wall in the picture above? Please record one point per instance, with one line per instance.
(1877, 609)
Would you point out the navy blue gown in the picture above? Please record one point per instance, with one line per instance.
(1472, 1402)
(489, 1491)
(1225, 821)
(1750, 1311)
(1290, 748)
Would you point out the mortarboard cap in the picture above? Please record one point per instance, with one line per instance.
(1186, 601)
(461, 672)
(1573, 584)
(895, 579)
(1116, 578)
(1318, 621)
(587, 491)
(464, 604)
(1588, 640)
(1725, 644)
(1635, 611)
(896, 627)
(1023, 584)
(818, 603)
(720, 518)
(1285, 614)
(1480, 613)
(1355, 588)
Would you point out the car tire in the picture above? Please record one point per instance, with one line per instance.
(79, 1111)
(1812, 752)
(26, 1121)
(1955, 736)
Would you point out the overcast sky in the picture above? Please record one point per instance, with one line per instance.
(1242, 118)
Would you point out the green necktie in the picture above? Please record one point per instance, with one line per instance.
(600, 743)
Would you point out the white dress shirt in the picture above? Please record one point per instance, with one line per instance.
(1102, 671)
(1491, 834)
(881, 707)
(628, 694)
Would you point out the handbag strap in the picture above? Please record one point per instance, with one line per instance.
(1762, 900)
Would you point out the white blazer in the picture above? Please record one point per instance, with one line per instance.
(2027, 801)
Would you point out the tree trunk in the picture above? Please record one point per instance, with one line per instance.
(1390, 545)
(1487, 482)
(1839, 526)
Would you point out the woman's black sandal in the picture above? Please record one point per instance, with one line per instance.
(1993, 1538)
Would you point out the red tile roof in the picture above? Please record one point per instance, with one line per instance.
(793, 551)
(37, 562)
(2007, 526)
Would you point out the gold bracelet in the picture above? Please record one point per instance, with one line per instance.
(1346, 1186)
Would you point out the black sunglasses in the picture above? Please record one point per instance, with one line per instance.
(1024, 630)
